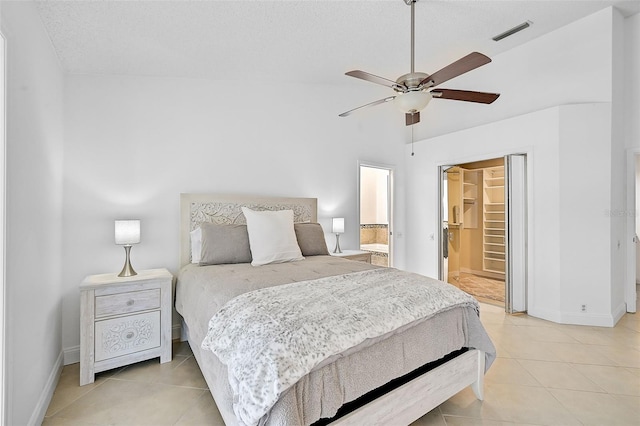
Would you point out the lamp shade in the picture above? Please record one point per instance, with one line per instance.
(412, 101)
(338, 225)
(127, 232)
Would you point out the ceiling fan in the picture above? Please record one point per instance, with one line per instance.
(416, 89)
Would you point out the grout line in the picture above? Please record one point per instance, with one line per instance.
(97, 385)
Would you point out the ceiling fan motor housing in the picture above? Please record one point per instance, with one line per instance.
(411, 82)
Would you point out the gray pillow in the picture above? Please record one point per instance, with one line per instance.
(224, 244)
(311, 239)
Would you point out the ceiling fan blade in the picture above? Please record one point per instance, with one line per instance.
(470, 62)
(411, 118)
(372, 78)
(379, 101)
(465, 95)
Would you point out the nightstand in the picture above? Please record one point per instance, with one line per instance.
(124, 320)
(358, 255)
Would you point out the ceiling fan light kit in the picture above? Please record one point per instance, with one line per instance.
(414, 90)
(414, 101)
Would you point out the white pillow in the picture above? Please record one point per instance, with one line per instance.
(196, 245)
(272, 238)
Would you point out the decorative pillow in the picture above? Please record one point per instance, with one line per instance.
(311, 239)
(271, 236)
(196, 245)
(224, 244)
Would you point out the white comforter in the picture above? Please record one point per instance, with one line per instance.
(271, 337)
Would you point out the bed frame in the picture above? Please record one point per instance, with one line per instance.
(404, 404)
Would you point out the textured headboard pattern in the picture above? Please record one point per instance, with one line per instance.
(227, 209)
(230, 213)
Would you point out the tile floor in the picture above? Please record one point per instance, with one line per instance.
(545, 374)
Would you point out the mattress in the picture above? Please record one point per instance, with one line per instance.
(202, 290)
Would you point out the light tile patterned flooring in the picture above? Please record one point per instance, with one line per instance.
(545, 374)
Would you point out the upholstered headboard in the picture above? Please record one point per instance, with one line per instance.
(226, 209)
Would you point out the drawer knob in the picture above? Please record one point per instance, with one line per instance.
(130, 303)
(129, 335)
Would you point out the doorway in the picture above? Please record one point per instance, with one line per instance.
(483, 242)
(375, 213)
(632, 284)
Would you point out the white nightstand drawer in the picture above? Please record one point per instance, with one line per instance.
(122, 336)
(124, 303)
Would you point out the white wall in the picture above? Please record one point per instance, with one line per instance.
(34, 163)
(618, 162)
(569, 65)
(373, 195)
(584, 242)
(134, 144)
(558, 68)
(565, 199)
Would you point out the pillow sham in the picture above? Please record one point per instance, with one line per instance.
(223, 244)
(310, 238)
(272, 238)
(196, 245)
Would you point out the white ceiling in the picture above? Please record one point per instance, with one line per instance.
(291, 41)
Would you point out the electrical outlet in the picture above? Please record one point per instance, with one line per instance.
(583, 308)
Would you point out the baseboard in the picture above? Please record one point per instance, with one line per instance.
(47, 393)
(71, 355)
(545, 314)
(619, 313)
(598, 320)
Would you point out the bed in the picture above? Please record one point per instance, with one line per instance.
(418, 365)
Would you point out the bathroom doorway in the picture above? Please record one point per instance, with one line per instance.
(375, 212)
(483, 243)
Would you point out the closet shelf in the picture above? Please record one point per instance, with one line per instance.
(494, 220)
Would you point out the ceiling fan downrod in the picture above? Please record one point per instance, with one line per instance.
(412, 3)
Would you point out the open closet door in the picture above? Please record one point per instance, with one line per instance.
(516, 232)
(443, 220)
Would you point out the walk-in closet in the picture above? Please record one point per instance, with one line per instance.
(474, 224)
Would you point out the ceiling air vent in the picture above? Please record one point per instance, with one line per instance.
(513, 30)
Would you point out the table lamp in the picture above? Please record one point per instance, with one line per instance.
(127, 234)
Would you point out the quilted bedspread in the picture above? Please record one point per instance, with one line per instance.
(272, 337)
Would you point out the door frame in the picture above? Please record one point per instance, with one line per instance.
(3, 139)
(632, 216)
(390, 201)
(441, 165)
(442, 169)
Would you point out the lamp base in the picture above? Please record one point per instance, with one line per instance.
(127, 269)
(337, 249)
